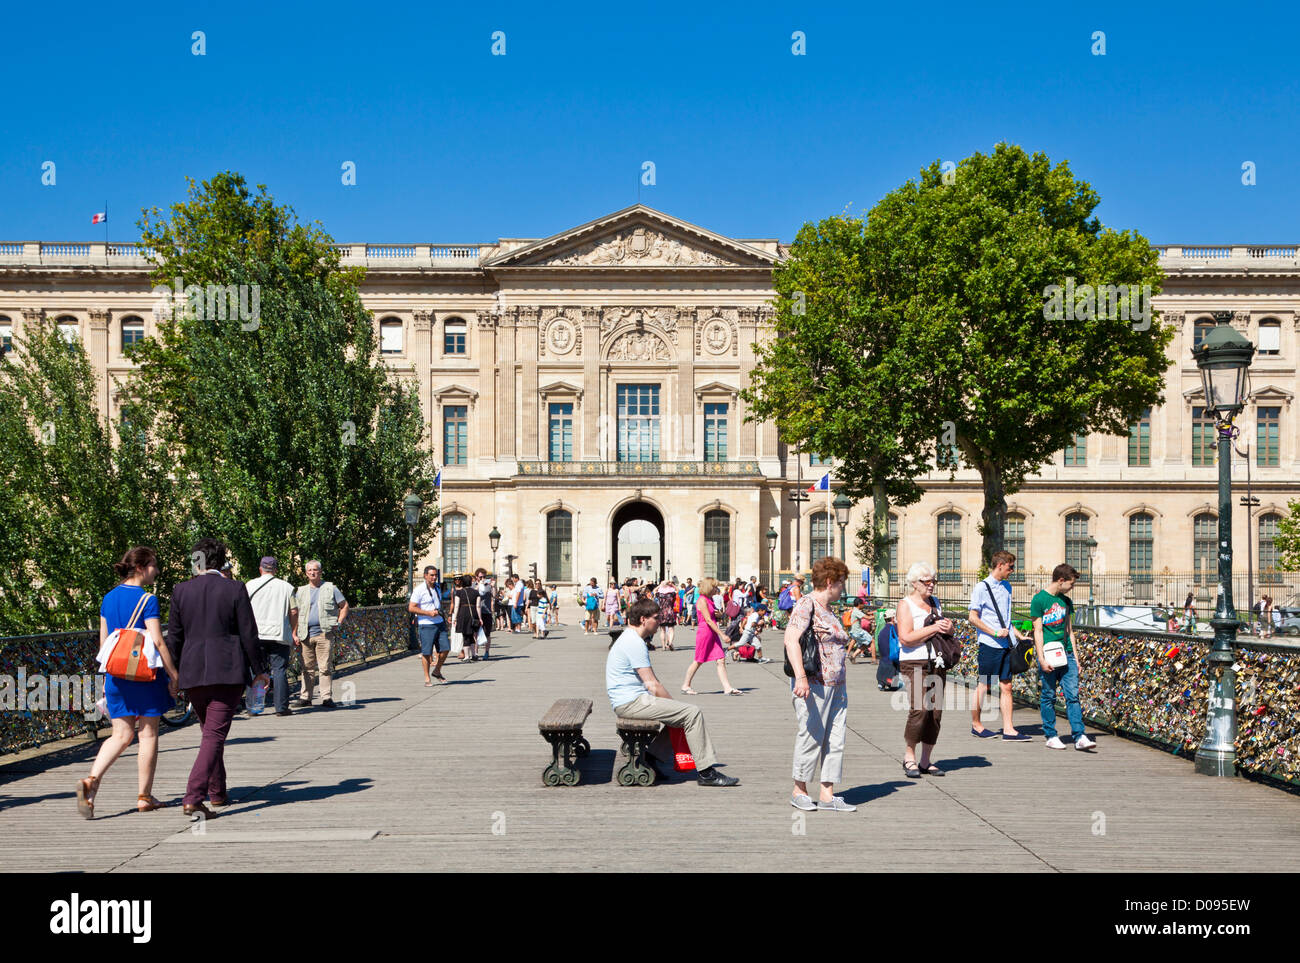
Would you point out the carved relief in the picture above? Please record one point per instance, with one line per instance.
(716, 335)
(639, 346)
(664, 318)
(562, 336)
(636, 247)
(1172, 317)
(98, 319)
(423, 320)
(486, 320)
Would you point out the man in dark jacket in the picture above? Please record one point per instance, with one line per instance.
(212, 635)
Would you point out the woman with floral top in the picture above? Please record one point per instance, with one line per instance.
(821, 702)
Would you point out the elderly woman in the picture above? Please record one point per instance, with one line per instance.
(915, 658)
(821, 702)
(709, 646)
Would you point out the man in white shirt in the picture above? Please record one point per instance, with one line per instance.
(635, 693)
(276, 612)
(426, 605)
(990, 613)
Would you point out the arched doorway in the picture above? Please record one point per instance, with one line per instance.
(637, 542)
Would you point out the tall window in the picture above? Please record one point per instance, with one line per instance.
(1076, 544)
(1204, 440)
(638, 422)
(1205, 532)
(1141, 547)
(949, 553)
(561, 433)
(132, 428)
(1139, 442)
(1013, 539)
(455, 543)
(1270, 337)
(1076, 453)
(1268, 431)
(390, 336)
(715, 432)
(1203, 327)
(453, 336)
(69, 328)
(816, 459)
(717, 545)
(6, 335)
(132, 333)
(559, 547)
(819, 535)
(1268, 531)
(455, 434)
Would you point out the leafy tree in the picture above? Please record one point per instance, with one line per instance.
(276, 404)
(969, 265)
(1287, 540)
(72, 500)
(833, 378)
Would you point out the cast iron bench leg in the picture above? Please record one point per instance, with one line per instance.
(635, 772)
(561, 771)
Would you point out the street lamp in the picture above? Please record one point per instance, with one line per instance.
(1224, 359)
(609, 571)
(494, 539)
(411, 506)
(771, 554)
(842, 506)
(1092, 557)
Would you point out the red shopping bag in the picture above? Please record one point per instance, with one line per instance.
(682, 760)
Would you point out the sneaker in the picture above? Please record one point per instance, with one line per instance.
(803, 801)
(764, 661)
(1083, 742)
(300, 703)
(1055, 743)
(711, 777)
(837, 805)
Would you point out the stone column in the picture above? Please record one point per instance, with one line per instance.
(97, 350)
(507, 406)
(526, 334)
(1177, 413)
(593, 396)
(767, 438)
(685, 406)
(420, 354)
(487, 419)
(745, 334)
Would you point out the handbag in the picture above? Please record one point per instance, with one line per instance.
(127, 659)
(949, 649)
(809, 649)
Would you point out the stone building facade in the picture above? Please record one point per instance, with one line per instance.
(585, 386)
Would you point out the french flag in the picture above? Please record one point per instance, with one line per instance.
(99, 219)
(824, 485)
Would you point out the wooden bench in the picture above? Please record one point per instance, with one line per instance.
(637, 735)
(561, 726)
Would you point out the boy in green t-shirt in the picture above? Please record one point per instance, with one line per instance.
(1053, 611)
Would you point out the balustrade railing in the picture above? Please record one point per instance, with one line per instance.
(676, 469)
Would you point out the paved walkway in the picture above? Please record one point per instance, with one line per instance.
(448, 778)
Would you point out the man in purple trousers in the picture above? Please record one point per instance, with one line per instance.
(212, 635)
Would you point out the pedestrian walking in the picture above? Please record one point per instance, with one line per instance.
(636, 693)
(531, 599)
(591, 597)
(212, 635)
(1053, 613)
(665, 596)
(821, 700)
(709, 646)
(483, 588)
(555, 606)
(276, 610)
(132, 705)
(543, 605)
(464, 616)
(887, 668)
(990, 613)
(326, 609)
(923, 677)
(426, 605)
(613, 606)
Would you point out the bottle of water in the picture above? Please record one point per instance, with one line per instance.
(258, 701)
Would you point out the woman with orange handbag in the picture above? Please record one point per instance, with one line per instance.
(133, 705)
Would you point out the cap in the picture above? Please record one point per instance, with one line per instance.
(890, 613)
(268, 561)
(785, 581)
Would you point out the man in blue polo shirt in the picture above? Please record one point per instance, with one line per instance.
(990, 613)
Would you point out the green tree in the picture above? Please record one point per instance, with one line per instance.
(971, 258)
(1287, 540)
(276, 404)
(72, 500)
(833, 378)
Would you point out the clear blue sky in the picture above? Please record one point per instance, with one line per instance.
(453, 144)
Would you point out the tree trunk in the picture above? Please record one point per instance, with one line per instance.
(995, 512)
(880, 538)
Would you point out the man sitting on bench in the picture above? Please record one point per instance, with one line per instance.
(635, 693)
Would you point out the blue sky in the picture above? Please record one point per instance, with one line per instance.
(453, 144)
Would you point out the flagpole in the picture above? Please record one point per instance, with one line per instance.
(105, 231)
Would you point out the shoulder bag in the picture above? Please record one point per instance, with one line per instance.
(809, 649)
(948, 652)
(127, 658)
(1022, 652)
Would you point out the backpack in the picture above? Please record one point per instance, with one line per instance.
(784, 601)
(734, 628)
(733, 609)
(746, 652)
(847, 618)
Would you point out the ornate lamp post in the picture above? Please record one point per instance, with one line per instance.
(771, 554)
(1092, 559)
(1224, 359)
(494, 539)
(842, 505)
(411, 506)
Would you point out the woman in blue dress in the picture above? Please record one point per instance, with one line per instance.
(132, 705)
